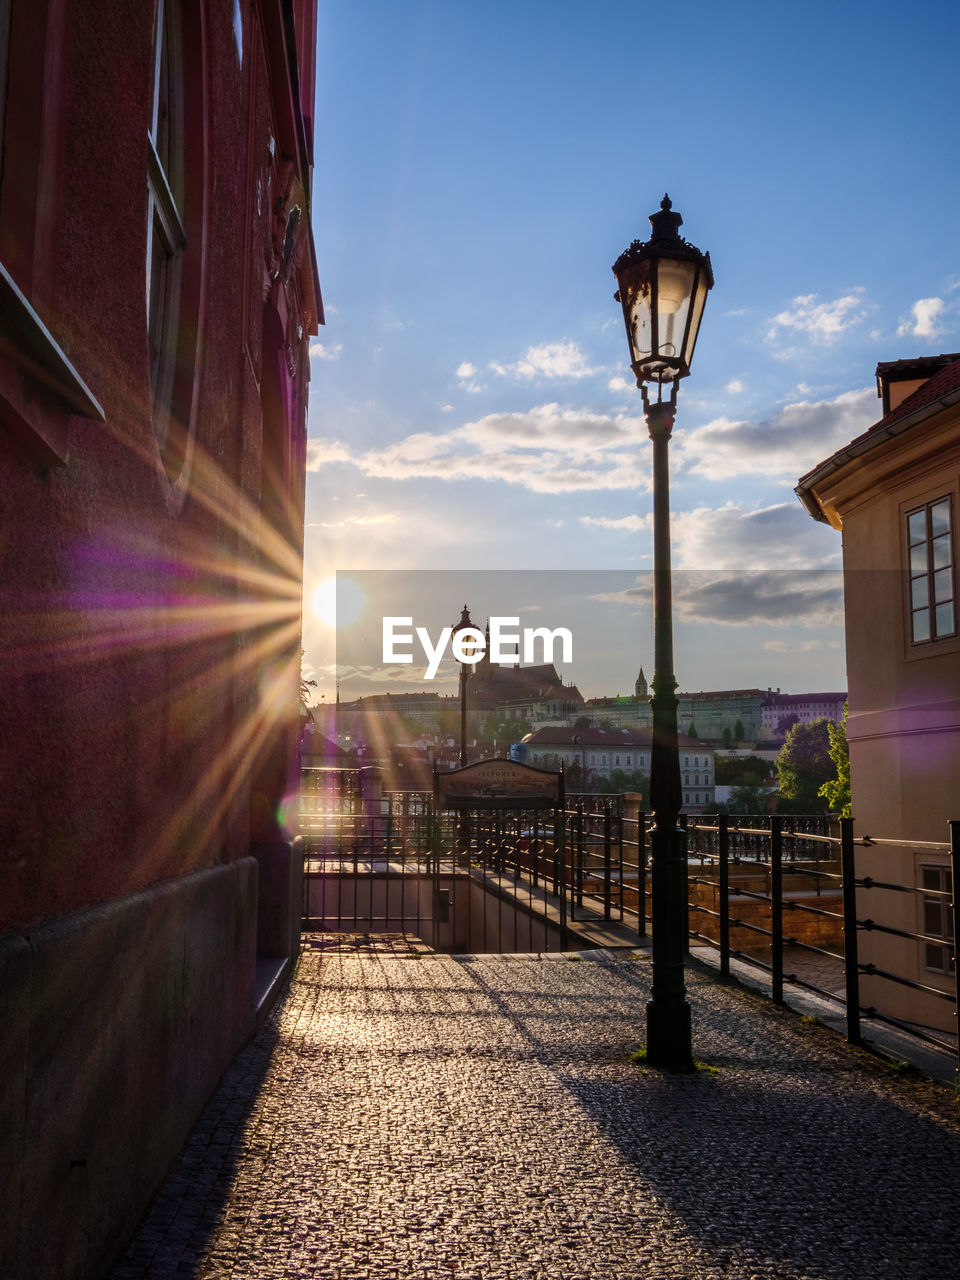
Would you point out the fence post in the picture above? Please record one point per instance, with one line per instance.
(955, 904)
(606, 860)
(683, 823)
(723, 843)
(776, 907)
(642, 872)
(851, 963)
(578, 874)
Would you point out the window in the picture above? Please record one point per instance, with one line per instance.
(4, 60)
(931, 569)
(616, 760)
(937, 919)
(175, 275)
(166, 236)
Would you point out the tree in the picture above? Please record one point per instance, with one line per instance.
(836, 791)
(305, 685)
(740, 771)
(727, 738)
(692, 731)
(582, 722)
(747, 799)
(738, 732)
(803, 766)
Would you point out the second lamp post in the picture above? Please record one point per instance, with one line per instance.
(662, 285)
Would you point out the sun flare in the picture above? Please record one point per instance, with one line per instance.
(338, 602)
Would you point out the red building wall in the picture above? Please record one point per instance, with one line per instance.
(149, 583)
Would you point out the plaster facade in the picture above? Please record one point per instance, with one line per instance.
(903, 726)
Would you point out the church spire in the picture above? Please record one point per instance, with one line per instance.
(640, 688)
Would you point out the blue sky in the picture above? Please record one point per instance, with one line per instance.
(478, 170)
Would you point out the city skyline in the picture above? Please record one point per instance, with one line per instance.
(608, 614)
(471, 405)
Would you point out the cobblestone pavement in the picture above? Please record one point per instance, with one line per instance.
(400, 1118)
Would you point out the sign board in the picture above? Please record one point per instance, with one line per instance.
(497, 784)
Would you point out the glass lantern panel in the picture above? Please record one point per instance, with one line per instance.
(696, 315)
(635, 296)
(675, 282)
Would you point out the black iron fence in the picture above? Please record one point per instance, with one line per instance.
(777, 893)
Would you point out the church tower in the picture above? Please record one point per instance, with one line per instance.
(640, 688)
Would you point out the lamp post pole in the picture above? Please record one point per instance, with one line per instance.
(662, 286)
(668, 1013)
(465, 624)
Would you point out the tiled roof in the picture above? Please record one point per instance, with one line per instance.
(941, 383)
(609, 738)
(944, 382)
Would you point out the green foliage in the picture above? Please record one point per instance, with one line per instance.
(738, 731)
(836, 791)
(740, 771)
(620, 781)
(305, 685)
(727, 738)
(803, 766)
(692, 731)
(748, 799)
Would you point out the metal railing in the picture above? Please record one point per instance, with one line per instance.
(754, 885)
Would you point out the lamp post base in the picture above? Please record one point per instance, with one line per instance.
(669, 1036)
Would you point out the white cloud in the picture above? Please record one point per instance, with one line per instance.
(630, 524)
(777, 598)
(779, 537)
(467, 374)
(786, 445)
(821, 321)
(735, 386)
(549, 360)
(617, 383)
(385, 518)
(546, 449)
(922, 322)
(320, 351)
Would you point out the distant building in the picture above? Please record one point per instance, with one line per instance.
(780, 710)
(894, 492)
(588, 754)
(714, 714)
(535, 693)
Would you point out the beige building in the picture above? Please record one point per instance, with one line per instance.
(894, 492)
(587, 755)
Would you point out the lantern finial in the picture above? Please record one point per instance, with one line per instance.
(666, 224)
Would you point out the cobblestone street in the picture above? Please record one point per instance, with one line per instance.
(408, 1116)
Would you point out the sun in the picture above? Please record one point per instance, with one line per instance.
(338, 601)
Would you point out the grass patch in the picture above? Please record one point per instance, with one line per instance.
(639, 1059)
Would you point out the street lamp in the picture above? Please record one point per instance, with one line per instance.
(662, 285)
(465, 645)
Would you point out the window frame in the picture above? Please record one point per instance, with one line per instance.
(930, 572)
(937, 900)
